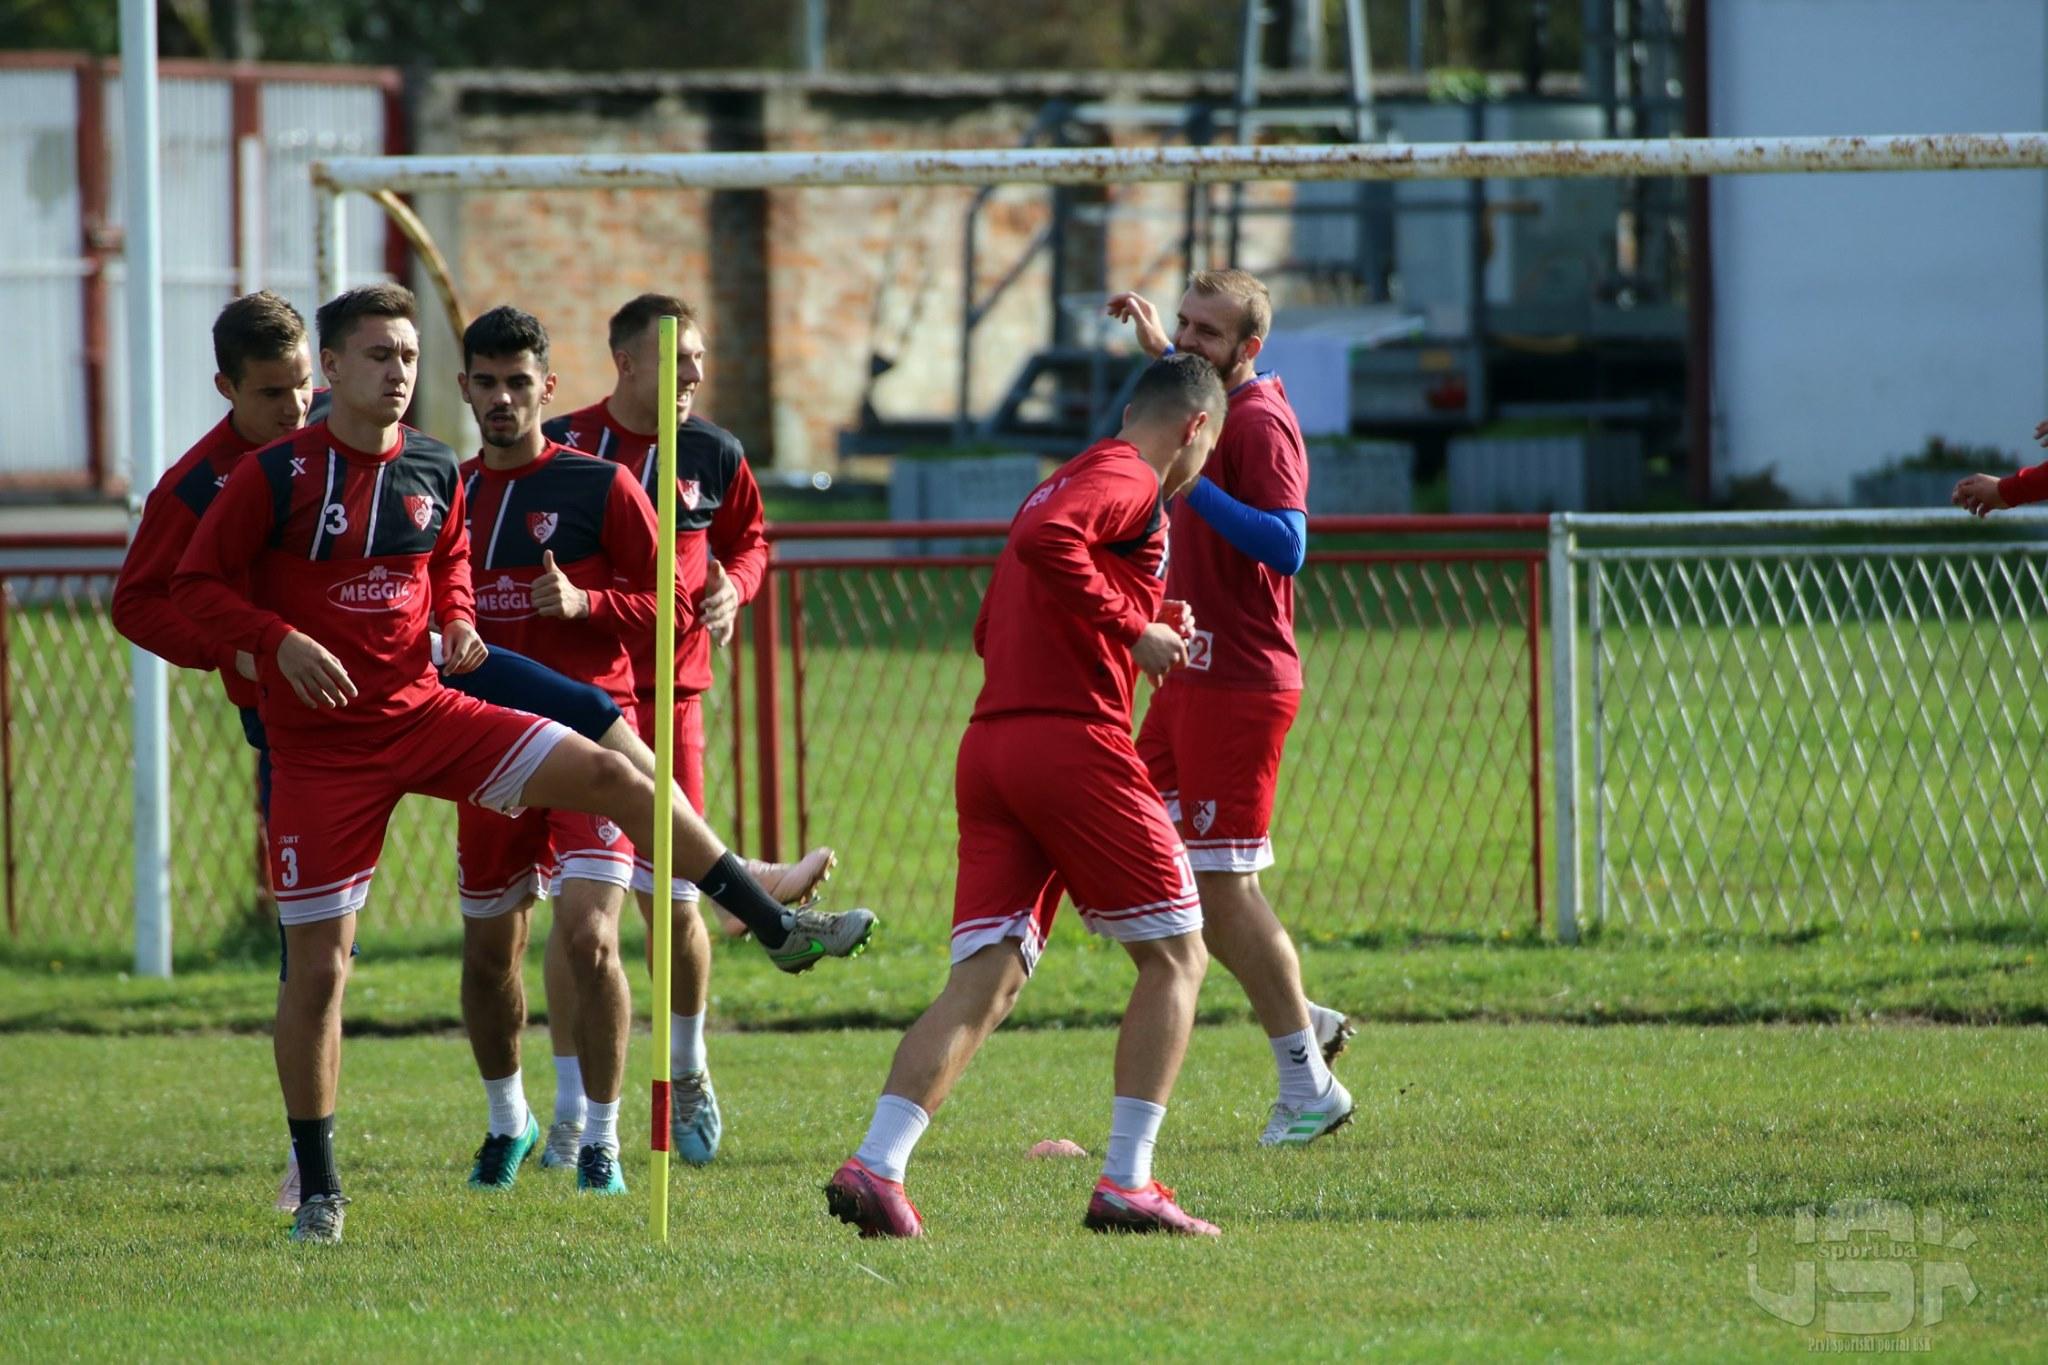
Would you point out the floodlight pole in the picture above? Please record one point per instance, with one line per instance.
(143, 261)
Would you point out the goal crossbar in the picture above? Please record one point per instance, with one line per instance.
(1198, 165)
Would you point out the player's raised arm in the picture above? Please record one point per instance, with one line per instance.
(1146, 326)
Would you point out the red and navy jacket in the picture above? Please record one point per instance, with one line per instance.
(143, 610)
(360, 550)
(718, 507)
(593, 517)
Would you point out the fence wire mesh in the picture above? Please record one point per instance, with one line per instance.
(67, 805)
(1790, 738)
(1405, 800)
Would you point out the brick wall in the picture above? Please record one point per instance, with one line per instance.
(815, 301)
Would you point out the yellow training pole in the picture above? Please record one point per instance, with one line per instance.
(663, 851)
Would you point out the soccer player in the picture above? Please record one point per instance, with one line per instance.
(1213, 735)
(563, 553)
(324, 557)
(1052, 798)
(266, 373)
(721, 555)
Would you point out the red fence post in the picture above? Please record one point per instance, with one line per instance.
(1535, 611)
(768, 731)
(7, 754)
(796, 705)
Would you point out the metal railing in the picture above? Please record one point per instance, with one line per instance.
(1799, 721)
(1410, 797)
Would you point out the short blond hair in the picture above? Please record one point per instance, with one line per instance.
(1256, 303)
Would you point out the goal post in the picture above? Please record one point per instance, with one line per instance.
(1577, 575)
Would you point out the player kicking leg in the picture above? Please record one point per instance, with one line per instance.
(352, 530)
(1051, 796)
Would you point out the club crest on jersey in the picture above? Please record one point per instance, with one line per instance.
(687, 490)
(378, 589)
(542, 525)
(505, 598)
(420, 507)
(607, 831)
(1205, 816)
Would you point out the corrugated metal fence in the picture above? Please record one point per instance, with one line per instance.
(238, 214)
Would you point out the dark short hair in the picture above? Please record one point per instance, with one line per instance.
(258, 326)
(504, 332)
(641, 313)
(1178, 386)
(339, 315)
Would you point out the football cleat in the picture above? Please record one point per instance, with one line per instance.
(1333, 1031)
(1297, 1125)
(319, 1220)
(1112, 1208)
(815, 936)
(564, 1139)
(878, 1207)
(498, 1160)
(597, 1170)
(694, 1123)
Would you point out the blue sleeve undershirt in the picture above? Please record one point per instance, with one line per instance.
(1278, 540)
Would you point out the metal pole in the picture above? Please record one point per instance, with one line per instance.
(144, 280)
(330, 241)
(250, 219)
(1217, 165)
(1415, 36)
(1564, 724)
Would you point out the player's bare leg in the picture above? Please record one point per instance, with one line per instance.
(494, 1015)
(586, 937)
(1246, 936)
(307, 1047)
(1149, 1048)
(794, 883)
(979, 994)
(578, 775)
(558, 978)
(980, 991)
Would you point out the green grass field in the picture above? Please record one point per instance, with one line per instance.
(1528, 1193)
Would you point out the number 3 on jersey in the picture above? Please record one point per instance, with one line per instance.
(337, 519)
(289, 856)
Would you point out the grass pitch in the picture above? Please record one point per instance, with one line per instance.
(1507, 1193)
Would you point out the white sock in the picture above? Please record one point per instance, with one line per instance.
(1133, 1129)
(685, 1044)
(508, 1106)
(892, 1136)
(569, 1089)
(601, 1125)
(1303, 1075)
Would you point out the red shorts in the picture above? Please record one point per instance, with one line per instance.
(1048, 805)
(503, 862)
(1214, 757)
(329, 805)
(689, 776)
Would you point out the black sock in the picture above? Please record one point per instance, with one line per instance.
(313, 1144)
(728, 883)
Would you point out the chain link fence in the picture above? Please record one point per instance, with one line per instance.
(1795, 737)
(1409, 798)
(67, 800)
